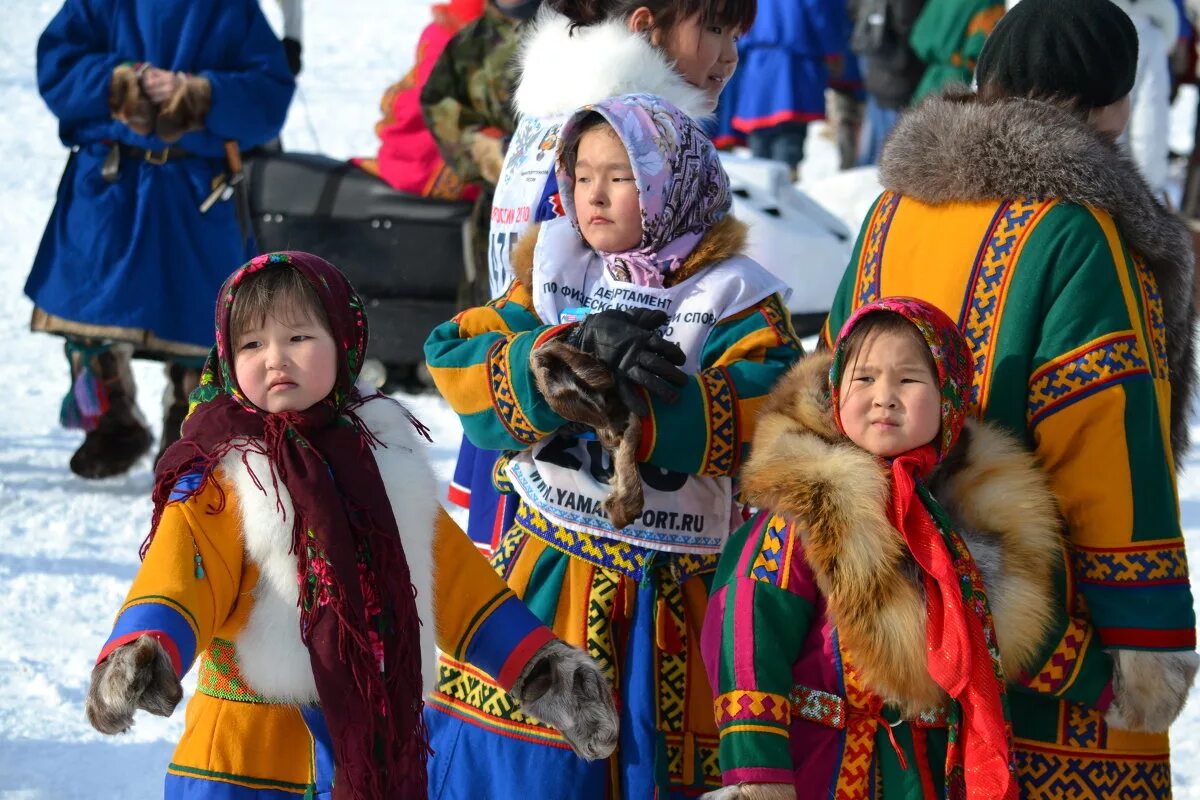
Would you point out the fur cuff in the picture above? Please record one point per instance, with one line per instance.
(1149, 688)
(127, 103)
(563, 687)
(186, 110)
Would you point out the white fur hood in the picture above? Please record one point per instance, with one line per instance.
(270, 654)
(562, 70)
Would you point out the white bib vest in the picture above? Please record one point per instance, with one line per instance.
(566, 477)
(521, 193)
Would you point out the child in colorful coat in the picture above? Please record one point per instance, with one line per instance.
(863, 627)
(298, 549)
(646, 243)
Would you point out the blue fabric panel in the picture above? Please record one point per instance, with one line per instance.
(159, 618)
(505, 627)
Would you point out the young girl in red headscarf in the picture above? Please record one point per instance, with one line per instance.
(864, 628)
(298, 553)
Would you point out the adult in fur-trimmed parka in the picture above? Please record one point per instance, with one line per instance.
(1074, 288)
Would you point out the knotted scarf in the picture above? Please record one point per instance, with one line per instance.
(682, 187)
(357, 612)
(961, 651)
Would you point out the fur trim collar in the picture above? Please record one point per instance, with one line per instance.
(954, 148)
(270, 654)
(802, 468)
(723, 241)
(609, 59)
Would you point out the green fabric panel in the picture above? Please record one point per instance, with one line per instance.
(731, 553)
(446, 349)
(1070, 248)
(941, 28)
(1034, 716)
(1155, 508)
(751, 749)
(545, 584)
(905, 784)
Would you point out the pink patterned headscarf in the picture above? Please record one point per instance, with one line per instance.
(682, 188)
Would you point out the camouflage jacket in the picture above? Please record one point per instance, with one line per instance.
(470, 89)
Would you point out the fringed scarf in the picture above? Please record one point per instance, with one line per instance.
(682, 187)
(357, 612)
(961, 651)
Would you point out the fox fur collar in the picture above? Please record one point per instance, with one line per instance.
(954, 148)
(562, 70)
(803, 469)
(723, 241)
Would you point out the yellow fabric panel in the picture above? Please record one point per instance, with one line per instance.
(751, 347)
(570, 617)
(922, 235)
(169, 570)
(463, 583)
(254, 740)
(466, 389)
(1138, 743)
(483, 319)
(1084, 453)
(518, 579)
(699, 713)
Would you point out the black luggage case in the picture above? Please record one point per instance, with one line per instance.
(406, 255)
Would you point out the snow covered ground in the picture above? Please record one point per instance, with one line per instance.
(68, 548)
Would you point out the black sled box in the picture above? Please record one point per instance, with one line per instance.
(405, 255)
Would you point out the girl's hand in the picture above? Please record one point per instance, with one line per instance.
(159, 84)
(135, 675)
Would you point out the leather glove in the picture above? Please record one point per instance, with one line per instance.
(629, 344)
(292, 49)
(563, 687)
(136, 675)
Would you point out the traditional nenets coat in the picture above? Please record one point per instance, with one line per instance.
(606, 59)
(275, 639)
(129, 257)
(816, 638)
(1074, 290)
(635, 597)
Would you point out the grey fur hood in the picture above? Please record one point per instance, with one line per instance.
(953, 148)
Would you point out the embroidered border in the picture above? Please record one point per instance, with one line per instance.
(1083, 372)
(988, 286)
(1083, 727)
(768, 564)
(1138, 565)
(469, 694)
(750, 705)
(1063, 665)
(871, 261)
(1044, 772)
(672, 659)
(1156, 320)
(720, 406)
(504, 399)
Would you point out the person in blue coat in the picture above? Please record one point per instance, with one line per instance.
(785, 66)
(147, 93)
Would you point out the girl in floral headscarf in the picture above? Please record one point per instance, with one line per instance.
(635, 312)
(297, 551)
(865, 624)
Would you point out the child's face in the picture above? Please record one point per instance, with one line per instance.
(705, 55)
(606, 195)
(890, 402)
(286, 366)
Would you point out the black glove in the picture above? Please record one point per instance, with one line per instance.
(291, 49)
(629, 344)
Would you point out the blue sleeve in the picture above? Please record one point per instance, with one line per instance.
(250, 99)
(74, 66)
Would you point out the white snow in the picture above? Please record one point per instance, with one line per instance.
(68, 548)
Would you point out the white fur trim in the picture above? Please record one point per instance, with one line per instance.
(270, 654)
(561, 71)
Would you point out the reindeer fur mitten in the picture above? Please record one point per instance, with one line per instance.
(580, 388)
(127, 102)
(135, 675)
(1149, 688)
(753, 791)
(185, 110)
(563, 687)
